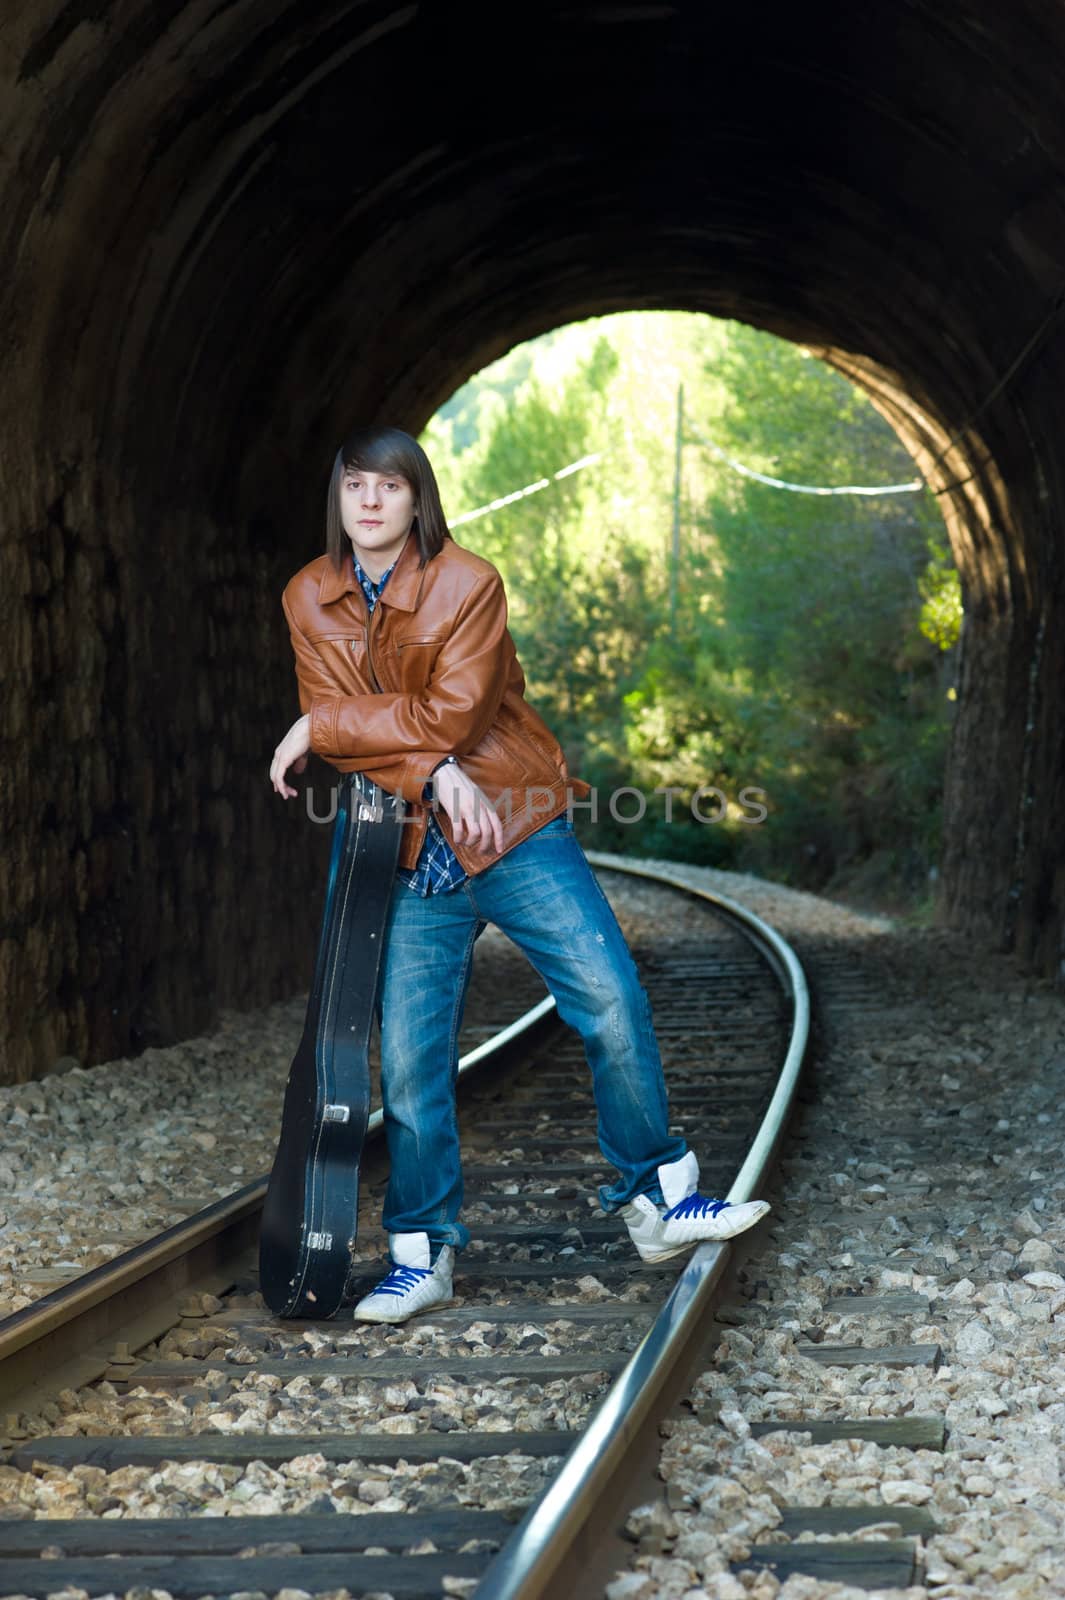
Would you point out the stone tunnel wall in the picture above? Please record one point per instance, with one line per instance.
(231, 229)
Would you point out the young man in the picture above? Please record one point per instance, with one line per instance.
(407, 672)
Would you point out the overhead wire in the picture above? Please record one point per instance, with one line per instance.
(912, 487)
(1057, 305)
(737, 466)
(807, 488)
(530, 488)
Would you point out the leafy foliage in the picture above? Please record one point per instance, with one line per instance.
(796, 659)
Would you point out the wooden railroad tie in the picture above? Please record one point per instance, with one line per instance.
(156, 1450)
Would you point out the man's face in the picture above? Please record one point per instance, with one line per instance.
(377, 509)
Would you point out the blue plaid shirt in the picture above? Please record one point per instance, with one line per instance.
(438, 868)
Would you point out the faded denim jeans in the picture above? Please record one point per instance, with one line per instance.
(544, 896)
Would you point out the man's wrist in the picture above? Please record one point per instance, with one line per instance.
(427, 787)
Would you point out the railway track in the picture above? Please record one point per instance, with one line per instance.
(481, 1447)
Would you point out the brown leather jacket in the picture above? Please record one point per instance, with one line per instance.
(432, 673)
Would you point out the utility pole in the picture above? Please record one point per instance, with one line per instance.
(674, 565)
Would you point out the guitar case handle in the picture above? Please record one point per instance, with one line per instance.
(312, 1199)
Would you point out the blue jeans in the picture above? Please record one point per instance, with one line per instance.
(543, 895)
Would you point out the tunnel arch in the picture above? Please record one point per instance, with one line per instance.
(230, 228)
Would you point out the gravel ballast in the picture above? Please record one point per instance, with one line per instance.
(93, 1161)
(928, 1161)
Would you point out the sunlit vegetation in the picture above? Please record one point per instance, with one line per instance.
(802, 647)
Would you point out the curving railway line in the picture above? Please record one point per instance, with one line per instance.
(487, 1447)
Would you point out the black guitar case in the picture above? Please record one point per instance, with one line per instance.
(310, 1216)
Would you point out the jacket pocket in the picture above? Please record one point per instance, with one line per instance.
(414, 657)
(347, 635)
(518, 750)
(523, 741)
(344, 656)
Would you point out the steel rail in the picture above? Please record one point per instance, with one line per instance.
(64, 1338)
(73, 1322)
(554, 1528)
(62, 1324)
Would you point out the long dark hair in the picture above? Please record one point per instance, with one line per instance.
(387, 450)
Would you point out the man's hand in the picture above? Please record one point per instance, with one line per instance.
(291, 752)
(473, 820)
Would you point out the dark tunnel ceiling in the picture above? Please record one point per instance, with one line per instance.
(285, 214)
(231, 228)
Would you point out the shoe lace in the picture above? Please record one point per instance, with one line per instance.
(400, 1279)
(696, 1205)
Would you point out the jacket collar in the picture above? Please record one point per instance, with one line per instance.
(402, 591)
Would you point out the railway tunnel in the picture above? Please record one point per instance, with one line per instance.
(230, 229)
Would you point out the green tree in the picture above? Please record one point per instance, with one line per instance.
(810, 654)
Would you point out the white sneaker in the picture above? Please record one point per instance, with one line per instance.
(687, 1217)
(412, 1284)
